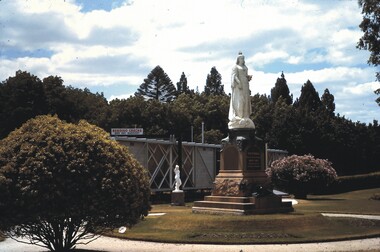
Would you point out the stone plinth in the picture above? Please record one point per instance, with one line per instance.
(242, 205)
(242, 186)
(242, 164)
(178, 198)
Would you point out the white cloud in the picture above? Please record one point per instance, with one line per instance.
(121, 96)
(365, 88)
(306, 39)
(263, 58)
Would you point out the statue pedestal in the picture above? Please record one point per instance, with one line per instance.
(242, 186)
(242, 164)
(178, 198)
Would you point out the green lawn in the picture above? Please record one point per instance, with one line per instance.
(306, 224)
(356, 202)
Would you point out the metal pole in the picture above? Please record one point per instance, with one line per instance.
(203, 132)
(192, 133)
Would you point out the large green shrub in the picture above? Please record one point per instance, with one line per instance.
(60, 182)
(301, 175)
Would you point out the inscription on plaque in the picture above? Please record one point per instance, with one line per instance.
(253, 160)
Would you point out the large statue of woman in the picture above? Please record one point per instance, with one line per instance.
(240, 104)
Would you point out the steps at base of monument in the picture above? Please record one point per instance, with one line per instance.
(225, 205)
(241, 205)
(229, 199)
(220, 211)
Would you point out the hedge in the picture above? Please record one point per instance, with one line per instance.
(355, 182)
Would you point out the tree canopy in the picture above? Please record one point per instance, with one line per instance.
(22, 98)
(214, 83)
(370, 25)
(182, 87)
(281, 89)
(59, 182)
(157, 86)
(309, 100)
(309, 125)
(328, 103)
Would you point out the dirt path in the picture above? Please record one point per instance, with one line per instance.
(120, 245)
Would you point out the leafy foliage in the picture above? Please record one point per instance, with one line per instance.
(309, 125)
(214, 83)
(59, 182)
(24, 96)
(157, 86)
(309, 99)
(327, 100)
(301, 175)
(356, 182)
(21, 98)
(281, 89)
(182, 87)
(370, 25)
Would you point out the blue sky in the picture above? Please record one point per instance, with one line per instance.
(111, 46)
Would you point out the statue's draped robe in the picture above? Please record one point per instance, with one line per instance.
(240, 104)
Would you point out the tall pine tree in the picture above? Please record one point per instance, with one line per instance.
(281, 89)
(182, 87)
(309, 99)
(157, 86)
(214, 83)
(328, 103)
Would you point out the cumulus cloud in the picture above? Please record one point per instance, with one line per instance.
(362, 89)
(115, 46)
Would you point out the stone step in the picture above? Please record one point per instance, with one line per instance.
(229, 199)
(221, 211)
(224, 205)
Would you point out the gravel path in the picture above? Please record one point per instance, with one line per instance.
(120, 245)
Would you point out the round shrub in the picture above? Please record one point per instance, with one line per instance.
(301, 175)
(60, 182)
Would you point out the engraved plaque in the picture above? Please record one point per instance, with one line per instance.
(253, 159)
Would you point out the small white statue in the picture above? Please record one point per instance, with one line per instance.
(240, 104)
(177, 179)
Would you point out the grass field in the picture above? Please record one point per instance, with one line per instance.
(306, 224)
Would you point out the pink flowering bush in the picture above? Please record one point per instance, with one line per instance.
(301, 175)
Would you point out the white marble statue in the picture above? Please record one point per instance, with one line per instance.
(177, 179)
(240, 104)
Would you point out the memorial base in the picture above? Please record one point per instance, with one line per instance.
(228, 205)
(178, 198)
(242, 187)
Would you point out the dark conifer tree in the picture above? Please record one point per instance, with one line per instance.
(328, 103)
(214, 83)
(157, 86)
(309, 99)
(182, 87)
(281, 89)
